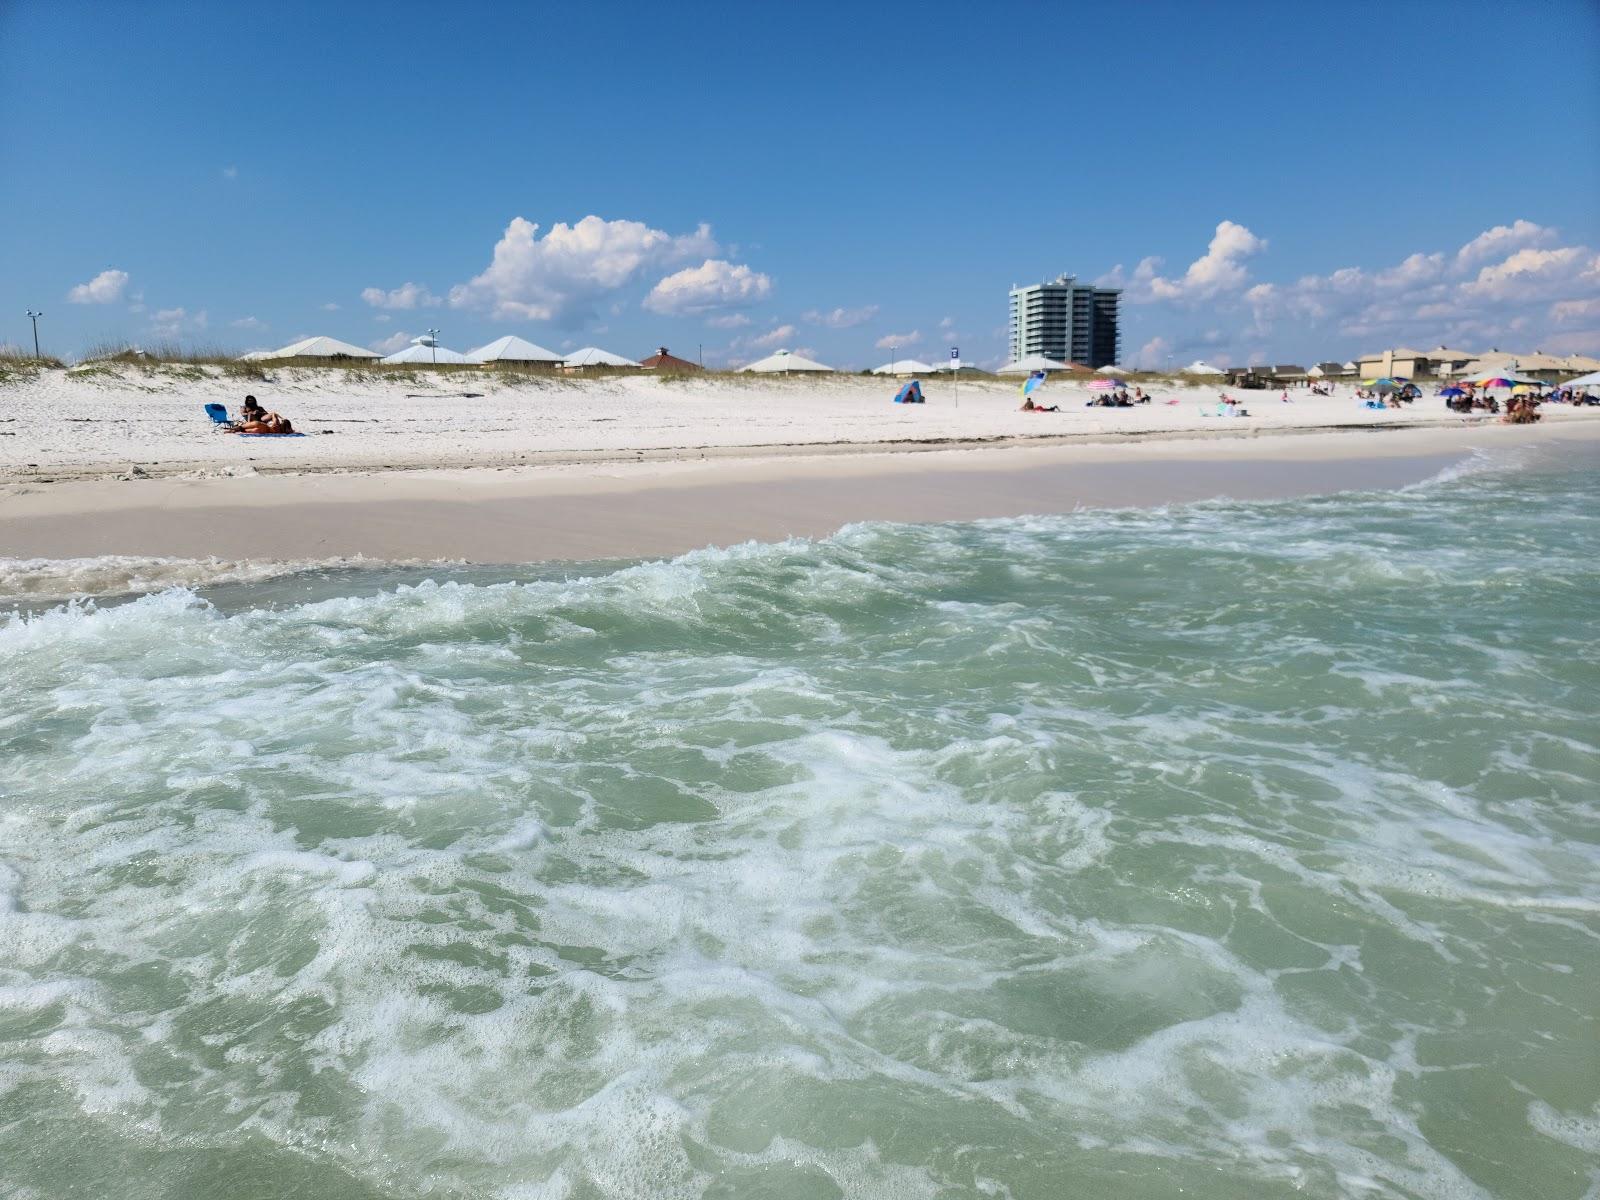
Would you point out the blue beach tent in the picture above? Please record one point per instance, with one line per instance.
(910, 394)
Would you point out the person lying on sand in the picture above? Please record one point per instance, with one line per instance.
(269, 422)
(1029, 406)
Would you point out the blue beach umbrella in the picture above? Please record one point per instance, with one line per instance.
(1032, 384)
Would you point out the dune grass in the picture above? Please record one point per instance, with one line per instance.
(18, 365)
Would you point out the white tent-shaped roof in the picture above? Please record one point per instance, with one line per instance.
(781, 363)
(1201, 367)
(426, 350)
(513, 349)
(903, 366)
(1584, 381)
(593, 356)
(1032, 363)
(255, 355)
(1112, 369)
(322, 347)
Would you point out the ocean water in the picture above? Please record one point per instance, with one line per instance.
(1232, 849)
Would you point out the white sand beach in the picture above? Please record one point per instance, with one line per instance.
(123, 468)
(135, 419)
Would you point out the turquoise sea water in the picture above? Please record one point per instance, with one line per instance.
(1236, 849)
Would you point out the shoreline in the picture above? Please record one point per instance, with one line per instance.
(634, 509)
(137, 469)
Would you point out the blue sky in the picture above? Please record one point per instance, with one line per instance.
(1276, 180)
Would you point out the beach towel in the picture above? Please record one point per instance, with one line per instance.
(272, 435)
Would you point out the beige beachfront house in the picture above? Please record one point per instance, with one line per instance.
(1403, 363)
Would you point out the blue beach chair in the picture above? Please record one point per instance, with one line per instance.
(217, 413)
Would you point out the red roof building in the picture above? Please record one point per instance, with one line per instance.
(662, 361)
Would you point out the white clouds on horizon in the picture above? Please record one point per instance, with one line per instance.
(770, 340)
(841, 318)
(715, 284)
(104, 288)
(1509, 281)
(170, 322)
(407, 296)
(901, 341)
(395, 341)
(1220, 269)
(561, 276)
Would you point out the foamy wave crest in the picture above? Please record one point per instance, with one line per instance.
(33, 579)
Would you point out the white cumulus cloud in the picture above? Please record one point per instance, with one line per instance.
(1498, 285)
(1503, 239)
(248, 323)
(841, 318)
(104, 288)
(1219, 270)
(407, 295)
(388, 345)
(728, 321)
(170, 322)
(891, 341)
(773, 337)
(562, 275)
(714, 284)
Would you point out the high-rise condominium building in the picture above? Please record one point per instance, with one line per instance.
(1067, 321)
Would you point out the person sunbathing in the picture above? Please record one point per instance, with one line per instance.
(268, 423)
(1029, 406)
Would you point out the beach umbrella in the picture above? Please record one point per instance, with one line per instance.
(1033, 383)
(1384, 383)
(1104, 385)
(1504, 380)
(1452, 391)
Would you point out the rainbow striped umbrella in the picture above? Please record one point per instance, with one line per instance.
(1105, 385)
(1505, 381)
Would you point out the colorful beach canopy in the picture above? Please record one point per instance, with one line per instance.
(1033, 383)
(1104, 385)
(1500, 380)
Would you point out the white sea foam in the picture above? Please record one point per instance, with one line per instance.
(1207, 851)
(35, 579)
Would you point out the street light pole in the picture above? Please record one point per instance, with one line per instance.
(433, 336)
(34, 317)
